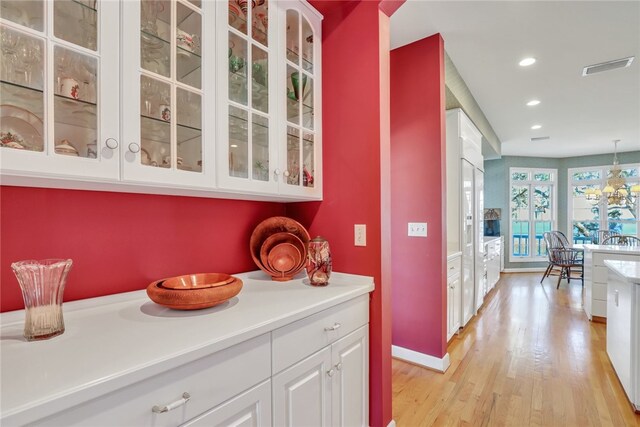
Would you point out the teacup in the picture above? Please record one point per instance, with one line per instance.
(70, 88)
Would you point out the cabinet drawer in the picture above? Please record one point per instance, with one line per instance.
(599, 258)
(209, 380)
(599, 291)
(298, 340)
(600, 274)
(453, 267)
(599, 308)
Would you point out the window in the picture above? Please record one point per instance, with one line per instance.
(533, 211)
(587, 216)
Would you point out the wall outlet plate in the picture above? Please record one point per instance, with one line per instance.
(360, 234)
(417, 229)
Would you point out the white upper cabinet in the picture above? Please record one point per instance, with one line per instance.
(194, 97)
(168, 49)
(269, 104)
(59, 111)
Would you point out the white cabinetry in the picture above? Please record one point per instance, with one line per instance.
(329, 388)
(201, 98)
(493, 250)
(596, 275)
(454, 296)
(227, 365)
(623, 325)
(465, 205)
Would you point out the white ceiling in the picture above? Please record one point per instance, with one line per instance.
(487, 39)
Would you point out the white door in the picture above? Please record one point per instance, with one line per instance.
(59, 85)
(454, 306)
(468, 251)
(249, 409)
(480, 260)
(350, 388)
(302, 393)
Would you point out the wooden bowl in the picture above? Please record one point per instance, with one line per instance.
(192, 299)
(197, 281)
(276, 239)
(284, 258)
(273, 225)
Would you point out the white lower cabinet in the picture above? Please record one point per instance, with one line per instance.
(250, 409)
(454, 296)
(328, 388)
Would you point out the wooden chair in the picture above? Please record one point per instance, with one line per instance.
(562, 258)
(568, 260)
(605, 234)
(622, 240)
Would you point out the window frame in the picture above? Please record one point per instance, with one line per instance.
(553, 183)
(603, 221)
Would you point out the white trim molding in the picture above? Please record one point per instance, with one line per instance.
(392, 423)
(524, 270)
(421, 359)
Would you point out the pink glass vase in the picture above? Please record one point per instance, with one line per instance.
(319, 262)
(42, 284)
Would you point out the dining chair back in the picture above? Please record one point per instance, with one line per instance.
(622, 240)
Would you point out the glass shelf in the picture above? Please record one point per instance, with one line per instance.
(293, 112)
(76, 21)
(306, 65)
(87, 4)
(18, 90)
(158, 130)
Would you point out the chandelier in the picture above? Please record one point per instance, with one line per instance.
(615, 190)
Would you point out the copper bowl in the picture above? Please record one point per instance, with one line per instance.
(273, 225)
(284, 258)
(198, 281)
(192, 299)
(274, 240)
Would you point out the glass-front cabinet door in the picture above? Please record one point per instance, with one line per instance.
(168, 53)
(300, 155)
(247, 122)
(58, 107)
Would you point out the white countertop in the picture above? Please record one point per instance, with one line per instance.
(630, 270)
(489, 239)
(87, 359)
(631, 250)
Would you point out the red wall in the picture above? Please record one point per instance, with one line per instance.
(417, 195)
(121, 242)
(352, 139)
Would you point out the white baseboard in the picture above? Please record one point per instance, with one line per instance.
(392, 423)
(421, 359)
(525, 270)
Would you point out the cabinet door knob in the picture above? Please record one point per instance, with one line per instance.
(111, 143)
(334, 327)
(134, 148)
(286, 173)
(330, 372)
(173, 405)
(277, 171)
(339, 366)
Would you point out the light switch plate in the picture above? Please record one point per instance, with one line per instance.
(417, 229)
(360, 234)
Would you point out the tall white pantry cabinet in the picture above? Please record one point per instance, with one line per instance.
(465, 196)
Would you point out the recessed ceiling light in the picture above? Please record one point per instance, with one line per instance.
(535, 127)
(234, 146)
(526, 62)
(533, 102)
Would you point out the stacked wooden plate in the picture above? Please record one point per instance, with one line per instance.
(279, 247)
(194, 291)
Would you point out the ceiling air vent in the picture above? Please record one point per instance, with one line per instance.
(539, 138)
(606, 66)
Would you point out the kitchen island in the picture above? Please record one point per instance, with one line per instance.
(623, 325)
(596, 276)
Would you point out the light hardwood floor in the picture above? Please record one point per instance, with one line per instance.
(530, 358)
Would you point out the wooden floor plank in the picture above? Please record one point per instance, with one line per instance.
(529, 358)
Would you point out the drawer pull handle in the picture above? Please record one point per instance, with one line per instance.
(166, 408)
(330, 372)
(335, 326)
(339, 366)
(617, 298)
(452, 267)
